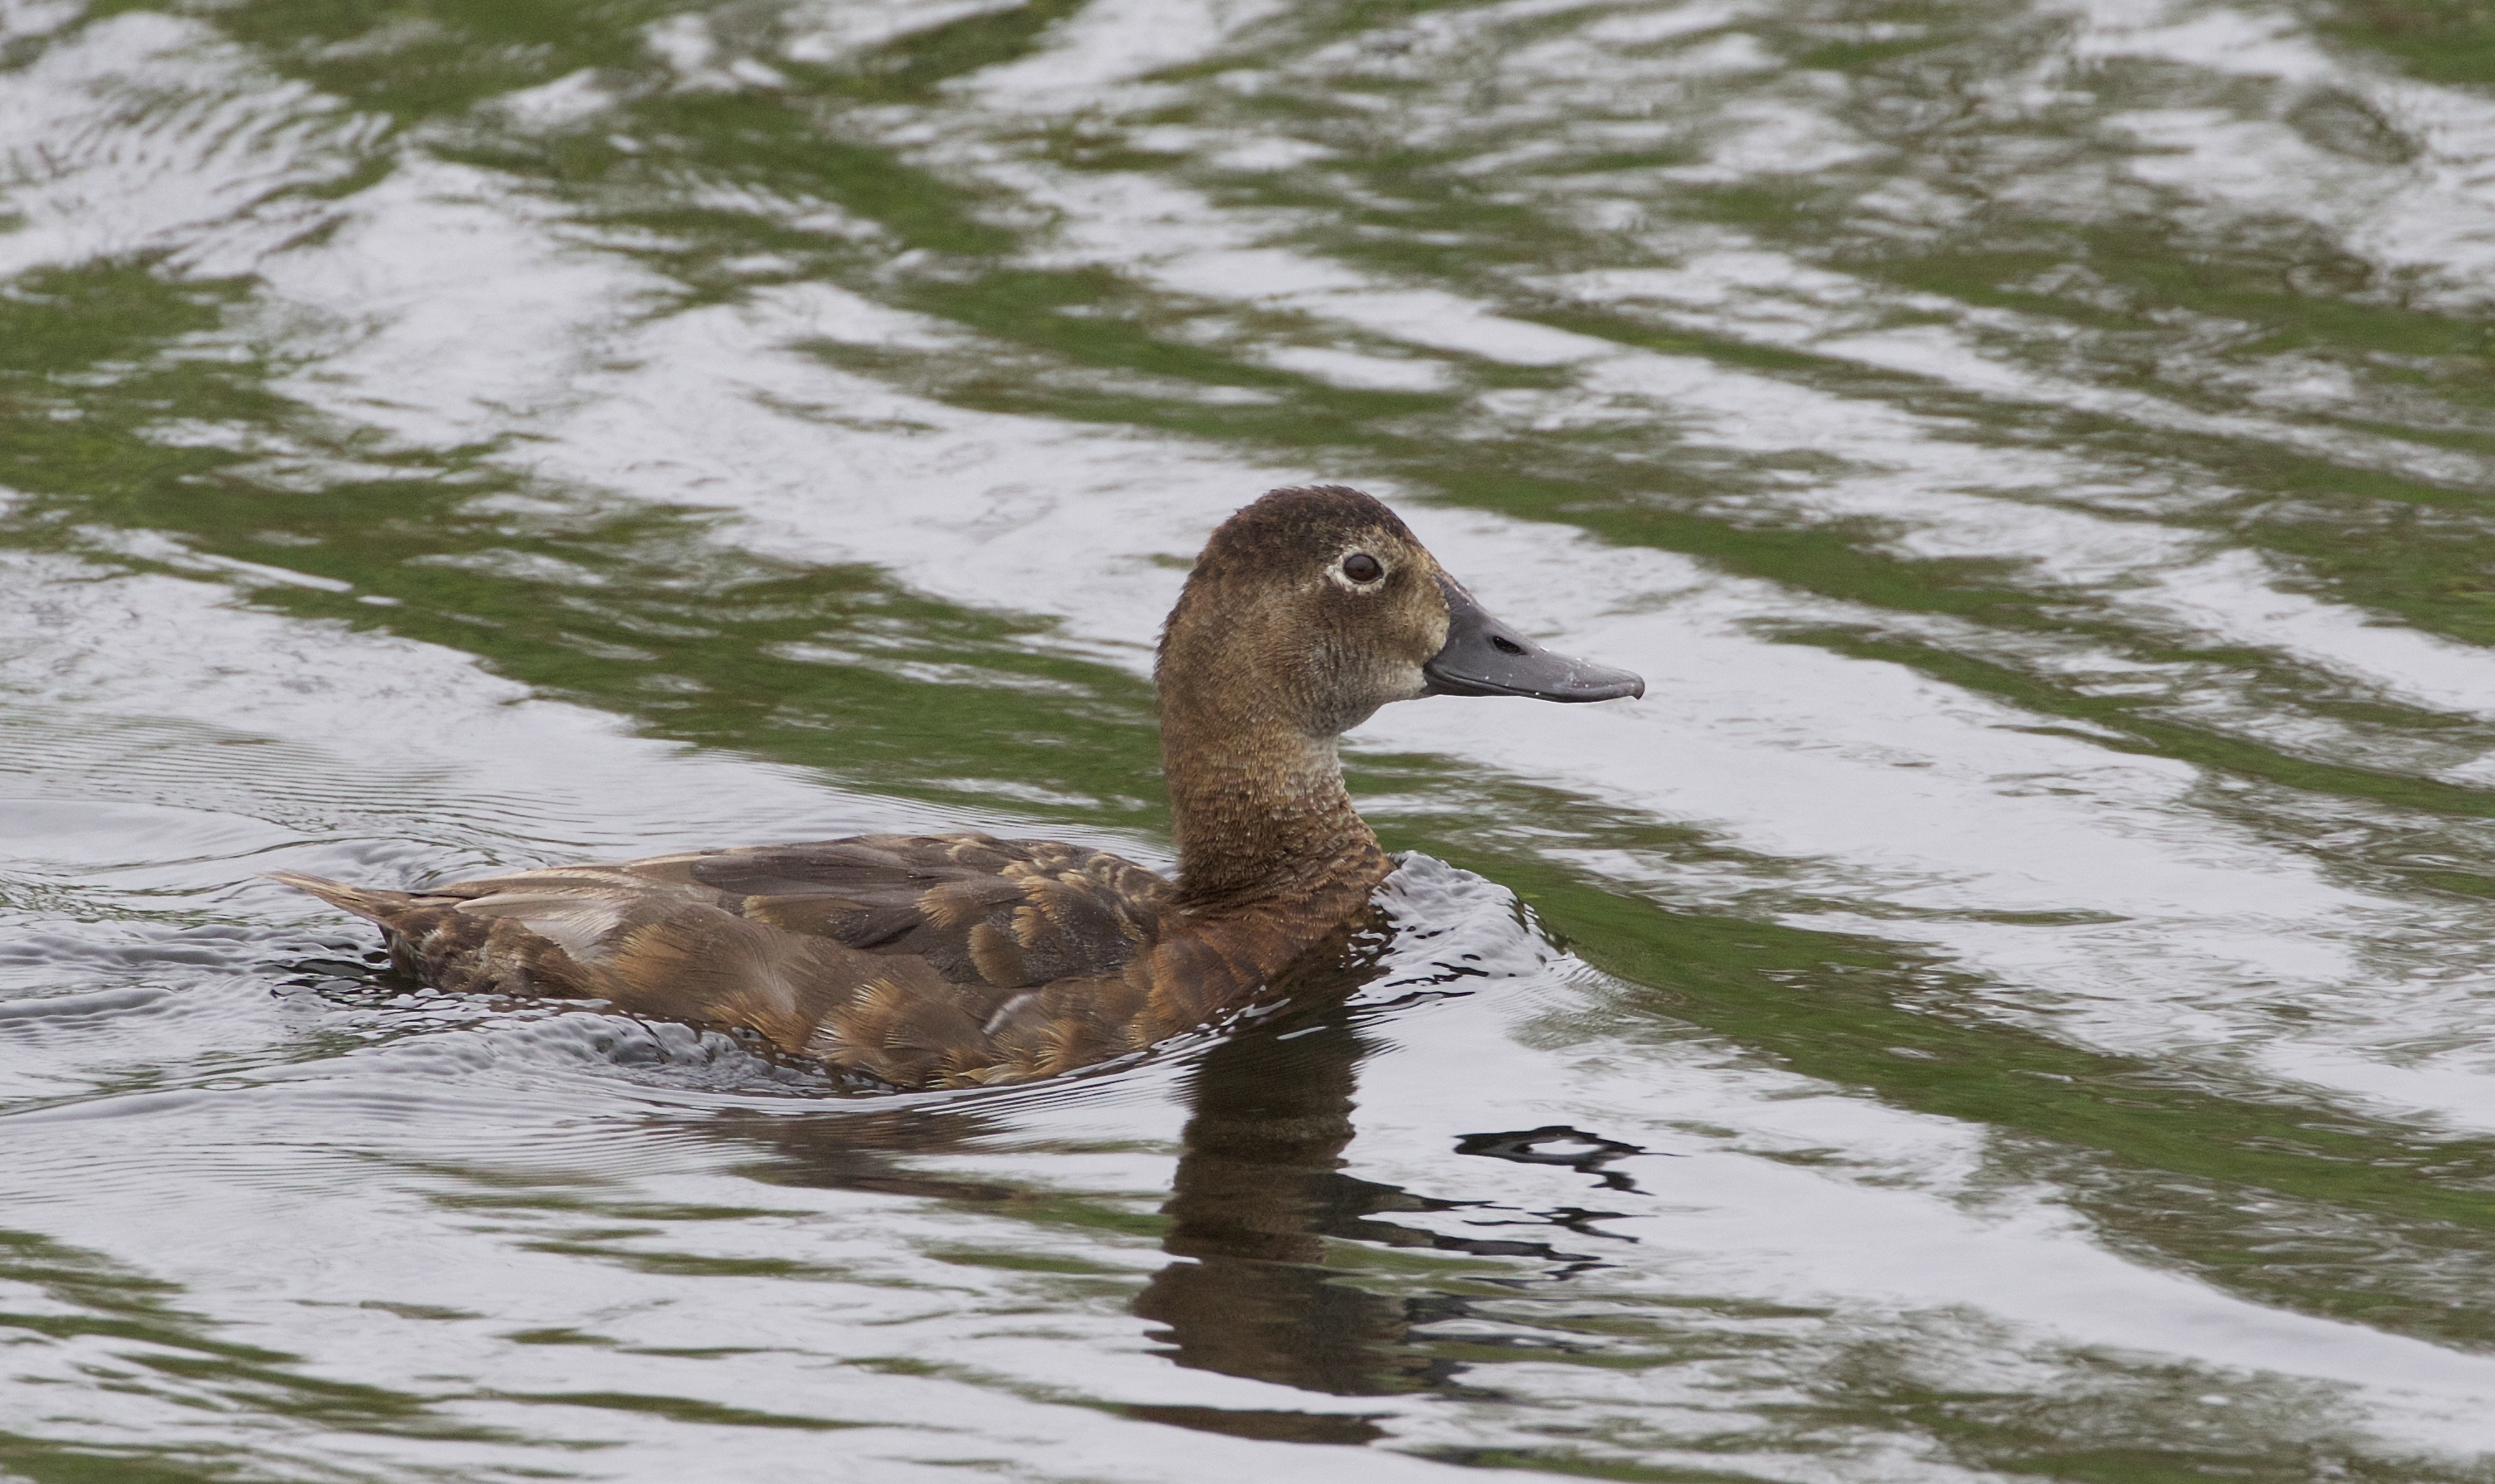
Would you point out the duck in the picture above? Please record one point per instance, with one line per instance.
(930, 961)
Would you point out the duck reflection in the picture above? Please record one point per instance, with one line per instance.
(1259, 1189)
(1258, 1194)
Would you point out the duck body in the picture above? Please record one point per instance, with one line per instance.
(914, 960)
(961, 959)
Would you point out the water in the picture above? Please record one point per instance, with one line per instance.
(2013, 1001)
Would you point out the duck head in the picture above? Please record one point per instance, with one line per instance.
(1306, 612)
(1319, 605)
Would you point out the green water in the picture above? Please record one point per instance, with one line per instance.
(2032, 935)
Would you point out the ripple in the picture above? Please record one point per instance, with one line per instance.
(2008, 1000)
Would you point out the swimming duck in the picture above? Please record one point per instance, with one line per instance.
(960, 959)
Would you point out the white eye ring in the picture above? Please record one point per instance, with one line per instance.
(1342, 571)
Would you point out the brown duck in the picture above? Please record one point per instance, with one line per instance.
(957, 959)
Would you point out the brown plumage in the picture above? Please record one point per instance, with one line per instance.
(960, 959)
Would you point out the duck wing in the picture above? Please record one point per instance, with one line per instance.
(916, 959)
(1012, 914)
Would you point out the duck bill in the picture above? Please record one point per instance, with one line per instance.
(1485, 657)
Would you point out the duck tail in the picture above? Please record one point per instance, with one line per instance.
(377, 905)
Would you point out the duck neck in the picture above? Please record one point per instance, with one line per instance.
(1260, 811)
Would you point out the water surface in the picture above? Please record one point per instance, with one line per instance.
(2013, 1001)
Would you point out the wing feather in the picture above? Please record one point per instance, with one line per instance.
(919, 959)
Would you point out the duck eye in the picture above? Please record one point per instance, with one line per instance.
(1362, 567)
